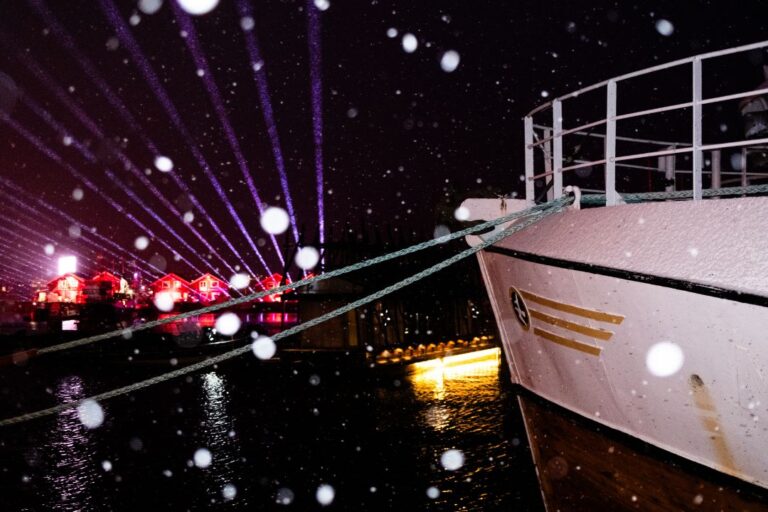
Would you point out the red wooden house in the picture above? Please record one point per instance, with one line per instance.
(209, 288)
(177, 286)
(66, 288)
(102, 286)
(270, 282)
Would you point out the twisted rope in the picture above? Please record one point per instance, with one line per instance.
(535, 214)
(304, 282)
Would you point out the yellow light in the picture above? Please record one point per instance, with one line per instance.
(477, 356)
(435, 380)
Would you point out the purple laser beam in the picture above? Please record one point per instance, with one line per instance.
(20, 258)
(88, 183)
(90, 157)
(86, 230)
(245, 9)
(214, 94)
(315, 74)
(22, 227)
(86, 121)
(130, 44)
(90, 71)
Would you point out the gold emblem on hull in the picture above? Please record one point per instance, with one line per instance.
(545, 319)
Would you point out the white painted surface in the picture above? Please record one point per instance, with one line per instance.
(722, 243)
(719, 423)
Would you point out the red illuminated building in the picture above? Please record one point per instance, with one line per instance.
(102, 286)
(178, 287)
(209, 288)
(270, 282)
(66, 288)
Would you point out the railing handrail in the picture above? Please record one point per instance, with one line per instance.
(651, 69)
(602, 136)
(553, 136)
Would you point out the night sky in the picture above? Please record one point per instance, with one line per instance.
(403, 140)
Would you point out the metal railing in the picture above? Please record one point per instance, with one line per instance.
(552, 141)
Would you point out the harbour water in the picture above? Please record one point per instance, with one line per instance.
(274, 434)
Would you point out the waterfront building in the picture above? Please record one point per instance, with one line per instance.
(66, 288)
(178, 287)
(209, 288)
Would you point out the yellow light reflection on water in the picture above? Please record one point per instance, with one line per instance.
(461, 379)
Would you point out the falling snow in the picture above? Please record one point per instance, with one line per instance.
(247, 23)
(284, 496)
(263, 347)
(228, 324)
(452, 459)
(202, 458)
(150, 6)
(164, 301)
(163, 164)
(461, 213)
(410, 43)
(229, 492)
(239, 281)
(141, 243)
(307, 258)
(450, 61)
(325, 494)
(322, 5)
(664, 359)
(274, 220)
(90, 414)
(198, 7)
(665, 27)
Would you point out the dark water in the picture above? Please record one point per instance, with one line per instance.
(274, 434)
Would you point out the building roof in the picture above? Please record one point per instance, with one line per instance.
(101, 276)
(69, 274)
(170, 276)
(224, 283)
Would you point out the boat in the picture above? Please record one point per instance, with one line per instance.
(646, 313)
(581, 468)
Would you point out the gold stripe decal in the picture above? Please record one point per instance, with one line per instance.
(567, 342)
(575, 310)
(600, 334)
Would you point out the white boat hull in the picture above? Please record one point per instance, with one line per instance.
(578, 324)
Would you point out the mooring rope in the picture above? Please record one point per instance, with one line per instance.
(304, 282)
(535, 214)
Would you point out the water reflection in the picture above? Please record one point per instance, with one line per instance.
(219, 437)
(70, 466)
(464, 380)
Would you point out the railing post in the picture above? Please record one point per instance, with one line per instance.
(557, 148)
(716, 169)
(670, 169)
(548, 164)
(698, 159)
(529, 197)
(610, 144)
(743, 159)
